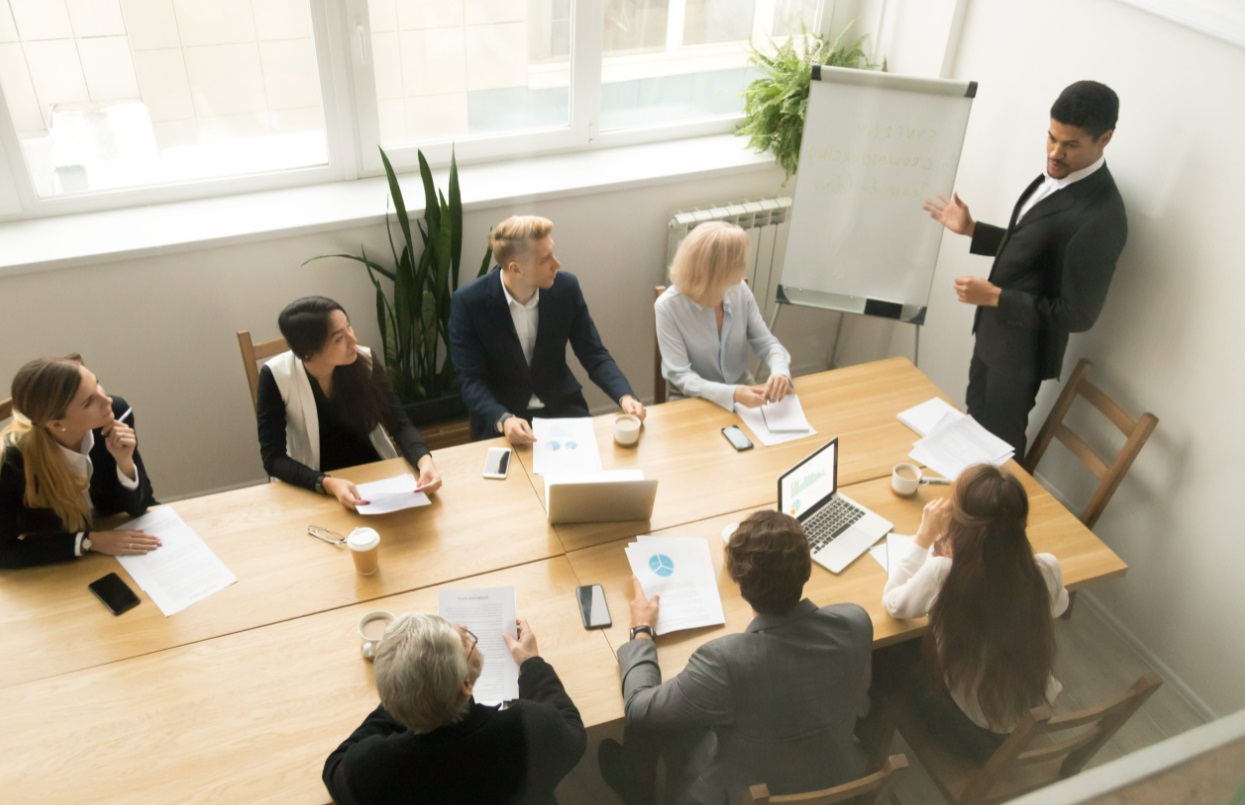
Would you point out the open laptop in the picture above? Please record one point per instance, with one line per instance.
(599, 497)
(839, 529)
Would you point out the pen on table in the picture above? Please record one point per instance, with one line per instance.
(936, 481)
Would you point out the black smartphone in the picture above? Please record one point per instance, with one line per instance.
(592, 608)
(115, 593)
(737, 438)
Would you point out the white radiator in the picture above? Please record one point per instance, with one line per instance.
(765, 221)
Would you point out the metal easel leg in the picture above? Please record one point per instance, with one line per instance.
(838, 336)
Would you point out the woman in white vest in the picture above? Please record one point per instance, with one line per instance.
(325, 405)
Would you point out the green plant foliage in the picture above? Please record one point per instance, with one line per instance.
(414, 318)
(775, 103)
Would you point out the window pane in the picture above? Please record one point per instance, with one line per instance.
(456, 68)
(673, 61)
(109, 95)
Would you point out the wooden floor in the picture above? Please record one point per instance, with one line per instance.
(1094, 665)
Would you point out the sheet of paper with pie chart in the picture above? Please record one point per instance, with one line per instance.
(680, 570)
(565, 445)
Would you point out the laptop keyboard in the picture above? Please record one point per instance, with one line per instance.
(830, 521)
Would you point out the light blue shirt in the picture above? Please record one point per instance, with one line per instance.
(697, 362)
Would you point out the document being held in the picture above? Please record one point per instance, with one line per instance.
(488, 613)
(680, 570)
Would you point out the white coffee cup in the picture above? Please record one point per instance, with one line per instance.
(627, 429)
(905, 478)
(371, 628)
(364, 545)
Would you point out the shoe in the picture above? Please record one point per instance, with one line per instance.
(620, 777)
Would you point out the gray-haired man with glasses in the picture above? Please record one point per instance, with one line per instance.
(430, 741)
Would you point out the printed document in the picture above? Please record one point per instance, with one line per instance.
(958, 442)
(922, 418)
(777, 422)
(391, 495)
(680, 570)
(565, 445)
(895, 545)
(488, 613)
(182, 571)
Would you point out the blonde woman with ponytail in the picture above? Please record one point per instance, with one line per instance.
(64, 458)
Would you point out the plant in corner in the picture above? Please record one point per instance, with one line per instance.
(775, 103)
(414, 318)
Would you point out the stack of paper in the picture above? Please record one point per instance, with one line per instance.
(565, 445)
(391, 495)
(182, 571)
(488, 614)
(777, 422)
(893, 547)
(680, 571)
(922, 418)
(958, 442)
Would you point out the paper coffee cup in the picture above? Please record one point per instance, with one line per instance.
(627, 429)
(364, 545)
(905, 478)
(371, 629)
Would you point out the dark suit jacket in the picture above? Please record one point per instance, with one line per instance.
(36, 536)
(1054, 268)
(780, 698)
(493, 376)
(516, 755)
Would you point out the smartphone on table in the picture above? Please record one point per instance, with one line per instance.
(114, 593)
(497, 462)
(593, 610)
(738, 439)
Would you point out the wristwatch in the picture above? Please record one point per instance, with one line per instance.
(320, 482)
(643, 628)
(86, 542)
(501, 422)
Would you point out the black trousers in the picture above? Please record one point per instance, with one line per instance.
(1001, 402)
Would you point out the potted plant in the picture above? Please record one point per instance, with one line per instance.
(775, 103)
(414, 314)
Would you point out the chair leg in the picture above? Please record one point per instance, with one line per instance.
(1067, 613)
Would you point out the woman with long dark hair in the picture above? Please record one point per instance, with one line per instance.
(325, 405)
(991, 643)
(67, 456)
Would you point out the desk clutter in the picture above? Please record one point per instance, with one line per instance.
(263, 646)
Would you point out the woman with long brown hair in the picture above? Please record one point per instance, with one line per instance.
(66, 456)
(991, 643)
(325, 405)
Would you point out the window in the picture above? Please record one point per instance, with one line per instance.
(112, 102)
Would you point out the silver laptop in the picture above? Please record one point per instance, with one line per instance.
(609, 496)
(839, 529)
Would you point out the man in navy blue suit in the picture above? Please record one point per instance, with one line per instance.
(508, 335)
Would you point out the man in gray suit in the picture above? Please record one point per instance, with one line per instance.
(775, 704)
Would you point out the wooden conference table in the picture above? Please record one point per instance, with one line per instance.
(241, 697)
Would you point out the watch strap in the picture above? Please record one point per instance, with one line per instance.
(643, 628)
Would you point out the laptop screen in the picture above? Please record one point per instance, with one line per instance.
(804, 486)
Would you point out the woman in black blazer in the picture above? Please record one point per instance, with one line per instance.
(65, 457)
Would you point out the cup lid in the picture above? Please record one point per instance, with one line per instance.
(363, 539)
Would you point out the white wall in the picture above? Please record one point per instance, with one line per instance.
(160, 330)
(1168, 340)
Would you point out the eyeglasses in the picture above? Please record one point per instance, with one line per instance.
(473, 637)
(326, 535)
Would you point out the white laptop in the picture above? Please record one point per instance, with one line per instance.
(599, 497)
(839, 529)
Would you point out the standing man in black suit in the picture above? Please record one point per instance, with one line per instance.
(1052, 264)
(508, 335)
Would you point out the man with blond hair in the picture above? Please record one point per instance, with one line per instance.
(508, 335)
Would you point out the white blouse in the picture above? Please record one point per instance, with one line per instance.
(915, 581)
(698, 362)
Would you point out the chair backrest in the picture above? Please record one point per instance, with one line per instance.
(6, 409)
(1110, 474)
(252, 354)
(868, 789)
(659, 382)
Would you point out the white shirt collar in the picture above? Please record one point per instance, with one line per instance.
(510, 300)
(1075, 176)
(80, 459)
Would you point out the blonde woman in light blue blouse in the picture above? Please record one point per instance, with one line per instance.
(708, 317)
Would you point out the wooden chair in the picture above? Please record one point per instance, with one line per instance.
(659, 382)
(1136, 432)
(1030, 758)
(6, 409)
(252, 354)
(868, 789)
